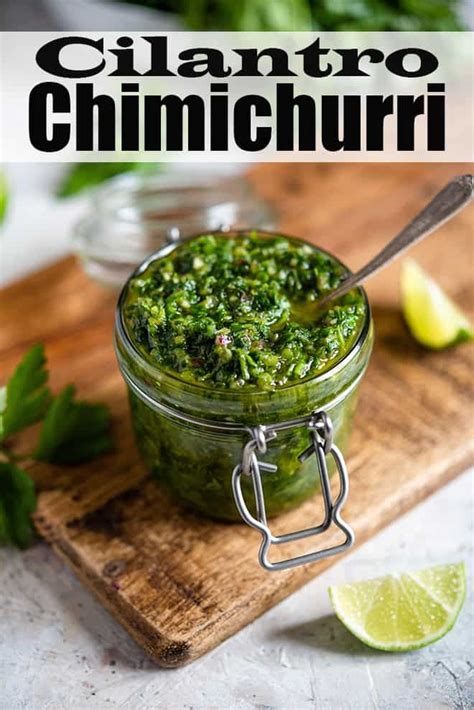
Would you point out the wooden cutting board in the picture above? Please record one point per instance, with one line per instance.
(179, 583)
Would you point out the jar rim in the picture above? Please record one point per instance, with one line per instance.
(115, 197)
(135, 214)
(196, 388)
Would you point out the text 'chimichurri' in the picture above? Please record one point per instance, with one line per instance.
(238, 311)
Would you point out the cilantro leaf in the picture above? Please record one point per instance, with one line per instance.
(17, 502)
(73, 431)
(25, 398)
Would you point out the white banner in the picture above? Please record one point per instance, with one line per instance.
(234, 96)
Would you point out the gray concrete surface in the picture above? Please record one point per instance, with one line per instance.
(59, 649)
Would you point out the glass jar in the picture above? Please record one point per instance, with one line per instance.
(133, 215)
(202, 444)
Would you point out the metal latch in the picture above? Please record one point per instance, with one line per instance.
(321, 445)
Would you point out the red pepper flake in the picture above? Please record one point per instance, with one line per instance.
(223, 339)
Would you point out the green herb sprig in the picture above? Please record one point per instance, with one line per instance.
(72, 432)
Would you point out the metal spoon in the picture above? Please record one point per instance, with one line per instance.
(451, 200)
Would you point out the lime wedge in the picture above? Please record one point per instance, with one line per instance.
(3, 196)
(402, 612)
(433, 319)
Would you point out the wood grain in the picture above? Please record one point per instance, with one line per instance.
(179, 583)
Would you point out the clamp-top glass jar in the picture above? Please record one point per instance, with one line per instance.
(134, 215)
(237, 453)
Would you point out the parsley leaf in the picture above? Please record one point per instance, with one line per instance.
(17, 502)
(73, 431)
(25, 398)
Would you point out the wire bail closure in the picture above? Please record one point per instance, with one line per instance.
(320, 430)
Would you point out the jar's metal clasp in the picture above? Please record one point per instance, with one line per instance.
(320, 431)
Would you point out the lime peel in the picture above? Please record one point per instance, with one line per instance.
(402, 612)
(3, 196)
(433, 319)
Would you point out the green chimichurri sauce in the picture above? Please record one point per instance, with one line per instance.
(237, 312)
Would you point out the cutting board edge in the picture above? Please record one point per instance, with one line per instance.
(167, 652)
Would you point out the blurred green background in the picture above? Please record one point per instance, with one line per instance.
(286, 15)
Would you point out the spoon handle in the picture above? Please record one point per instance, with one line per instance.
(450, 200)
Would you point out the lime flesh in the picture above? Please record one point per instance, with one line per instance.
(3, 196)
(402, 612)
(433, 319)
